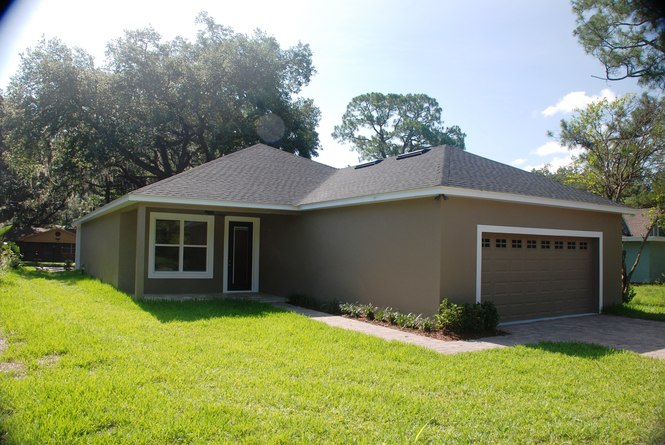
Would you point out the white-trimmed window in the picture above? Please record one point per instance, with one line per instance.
(181, 246)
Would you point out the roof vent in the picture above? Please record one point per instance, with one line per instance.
(368, 164)
(413, 153)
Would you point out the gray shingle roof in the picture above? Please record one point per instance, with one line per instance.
(265, 175)
(638, 224)
(259, 174)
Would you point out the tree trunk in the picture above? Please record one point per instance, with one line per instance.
(627, 275)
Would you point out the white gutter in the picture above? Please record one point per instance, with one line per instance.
(468, 193)
(130, 199)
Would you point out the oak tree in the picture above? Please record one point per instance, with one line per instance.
(381, 125)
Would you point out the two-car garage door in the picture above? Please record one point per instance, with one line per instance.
(530, 276)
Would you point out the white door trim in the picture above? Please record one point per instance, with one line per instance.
(536, 231)
(256, 232)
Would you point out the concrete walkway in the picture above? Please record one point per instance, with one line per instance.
(642, 336)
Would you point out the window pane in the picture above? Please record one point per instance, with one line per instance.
(194, 259)
(166, 258)
(167, 232)
(196, 233)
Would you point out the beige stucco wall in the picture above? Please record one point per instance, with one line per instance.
(406, 254)
(99, 249)
(387, 254)
(127, 252)
(461, 216)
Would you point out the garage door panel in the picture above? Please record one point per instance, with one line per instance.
(525, 279)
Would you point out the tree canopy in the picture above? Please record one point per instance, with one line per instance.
(622, 144)
(75, 135)
(627, 37)
(381, 125)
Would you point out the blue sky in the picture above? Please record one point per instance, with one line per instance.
(505, 71)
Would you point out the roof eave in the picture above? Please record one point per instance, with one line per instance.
(130, 199)
(467, 193)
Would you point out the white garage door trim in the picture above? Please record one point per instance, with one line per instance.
(536, 231)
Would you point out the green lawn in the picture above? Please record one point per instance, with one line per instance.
(87, 365)
(649, 303)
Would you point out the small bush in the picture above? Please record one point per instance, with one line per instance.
(449, 316)
(470, 318)
(427, 324)
(368, 311)
(351, 309)
(491, 315)
(467, 318)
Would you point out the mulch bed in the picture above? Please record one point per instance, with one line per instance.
(438, 334)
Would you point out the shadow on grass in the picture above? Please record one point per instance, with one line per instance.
(574, 349)
(65, 277)
(193, 310)
(626, 310)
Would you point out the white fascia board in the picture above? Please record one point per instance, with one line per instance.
(210, 203)
(147, 199)
(467, 193)
(367, 199)
(119, 203)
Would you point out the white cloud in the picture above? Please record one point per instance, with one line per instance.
(564, 159)
(576, 99)
(519, 161)
(550, 148)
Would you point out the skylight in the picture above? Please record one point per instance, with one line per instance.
(413, 153)
(368, 164)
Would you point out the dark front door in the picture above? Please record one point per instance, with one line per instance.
(240, 255)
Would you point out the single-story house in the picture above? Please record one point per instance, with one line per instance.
(651, 267)
(46, 244)
(403, 232)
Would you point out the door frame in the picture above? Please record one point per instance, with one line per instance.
(536, 231)
(256, 230)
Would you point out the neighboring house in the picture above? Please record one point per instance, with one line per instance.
(403, 232)
(46, 244)
(652, 262)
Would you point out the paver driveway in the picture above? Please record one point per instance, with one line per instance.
(642, 336)
(646, 337)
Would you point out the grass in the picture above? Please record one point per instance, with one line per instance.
(87, 365)
(649, 303)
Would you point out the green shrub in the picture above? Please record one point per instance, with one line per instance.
(351, 309)
(470, 318)
(368, 311)
(450, 316)
(491, 315)
(10, 254)
(427, 324)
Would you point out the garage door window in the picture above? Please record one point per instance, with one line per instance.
(531, 244)
(584, 245)
(571, 245)
(517, 244)
(501, 244)
(558, 245)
